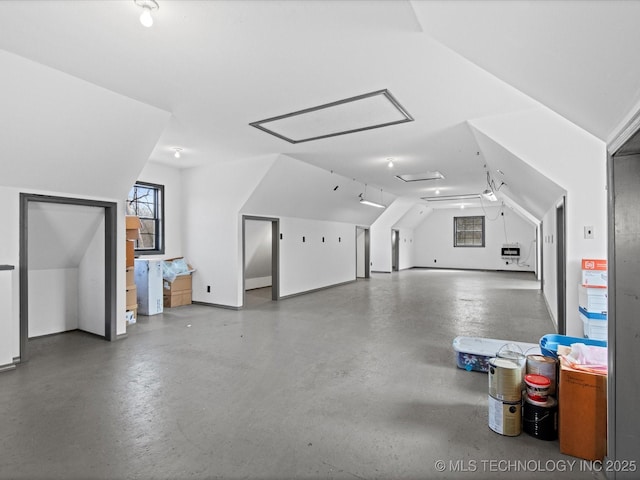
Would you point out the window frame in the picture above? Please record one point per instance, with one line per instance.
(159, 219)
(455, 232)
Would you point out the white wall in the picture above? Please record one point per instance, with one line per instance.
(62, 238)
(212, 199)
(549, 264)
(433, 240)
(380, 233)
(6, 317)
(257, 248)
(576, 161)
(314, 264)
(405, 244)
(91, 299)
(171, 178)
(53, 301)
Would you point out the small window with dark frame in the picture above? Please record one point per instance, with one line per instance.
(146, 201)
(468, 231)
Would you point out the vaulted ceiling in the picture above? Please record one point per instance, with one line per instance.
(217, 66)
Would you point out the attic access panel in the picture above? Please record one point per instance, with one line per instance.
(350, 115)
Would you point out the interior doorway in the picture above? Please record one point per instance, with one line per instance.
(623, 423)
(260, 257)
(363, 259)
(395, 250)
(67, 267)
(561, 267)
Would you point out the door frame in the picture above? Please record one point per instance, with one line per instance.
(110, 255)
(561, 265)
(395, 249)
(367, 252)
(275, 255)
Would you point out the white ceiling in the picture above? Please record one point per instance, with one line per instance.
(216, 66)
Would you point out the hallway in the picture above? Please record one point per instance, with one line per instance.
(357, 381)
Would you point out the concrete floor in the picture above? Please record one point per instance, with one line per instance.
(357, 381)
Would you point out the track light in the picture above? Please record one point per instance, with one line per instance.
(147, 7)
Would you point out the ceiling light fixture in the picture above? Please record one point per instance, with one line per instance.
(452, 198)
(177, 151)
(364, 201)
(390, 164)
(489, 195)
(419, 177)
(147, 7)
(370, 203)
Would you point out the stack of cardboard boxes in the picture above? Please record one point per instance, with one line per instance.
(133, 230)
(592, 298)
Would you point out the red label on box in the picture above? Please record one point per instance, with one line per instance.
(591, 264)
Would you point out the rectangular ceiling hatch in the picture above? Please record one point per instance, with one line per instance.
(350, 115)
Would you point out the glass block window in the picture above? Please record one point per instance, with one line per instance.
(468, 231)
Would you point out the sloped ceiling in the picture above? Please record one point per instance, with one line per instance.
(576, 57)
(62, 134)
(216, 66)
(296, 189)
(520, 181)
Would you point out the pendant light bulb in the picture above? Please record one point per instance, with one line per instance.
(145, 17)
(177, 151)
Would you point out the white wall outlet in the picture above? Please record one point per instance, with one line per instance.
(588, 233)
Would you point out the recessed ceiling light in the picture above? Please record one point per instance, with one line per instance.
(419, 177)
(437, 192)
(177, 151)
(390, 164)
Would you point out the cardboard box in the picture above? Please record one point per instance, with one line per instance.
(133, 226)
(594, 278)
(594, 324)
(130, 254)
(594, 272)
(181, 284)
(582, 413)
(131, 281)
(131, 316)
(593, 300)
(132, 297)
(177, 299)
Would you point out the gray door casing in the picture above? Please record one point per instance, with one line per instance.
(110, 255)
(275, 255)
(561, 267)
(623, 387)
